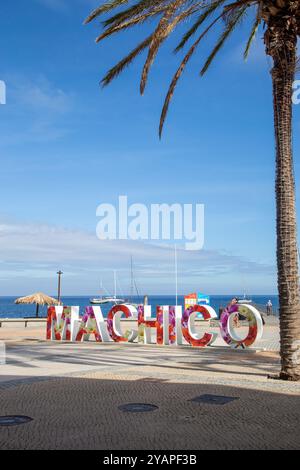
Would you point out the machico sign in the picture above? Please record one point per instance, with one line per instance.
(172, 326)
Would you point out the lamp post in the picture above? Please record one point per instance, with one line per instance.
(59, 285)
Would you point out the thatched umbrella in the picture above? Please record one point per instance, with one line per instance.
(39, 299)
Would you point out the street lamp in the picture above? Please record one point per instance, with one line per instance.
(59, 284)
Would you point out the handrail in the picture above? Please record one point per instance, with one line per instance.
(22, 320)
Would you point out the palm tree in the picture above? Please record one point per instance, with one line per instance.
(281, 22)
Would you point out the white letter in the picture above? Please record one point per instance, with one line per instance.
(198, 235)
(140, 212)
(122, 217)
(295, 95)
(2, 92)
(165, 211)
(106, 228)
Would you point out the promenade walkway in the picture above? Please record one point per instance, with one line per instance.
(73, 393)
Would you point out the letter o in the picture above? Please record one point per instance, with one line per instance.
(255, 326)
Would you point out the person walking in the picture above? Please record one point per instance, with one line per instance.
(236, 318)
(269, 307)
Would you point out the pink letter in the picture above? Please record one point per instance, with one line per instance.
(255, 325)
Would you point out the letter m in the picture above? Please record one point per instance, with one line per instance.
(162, 216)
(60, 323)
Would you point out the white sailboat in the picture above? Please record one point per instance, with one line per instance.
(245, 300)
(99, 300)
(108, 298)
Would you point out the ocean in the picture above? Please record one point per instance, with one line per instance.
(8, 309)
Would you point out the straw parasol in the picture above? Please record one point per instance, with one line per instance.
(39, 299)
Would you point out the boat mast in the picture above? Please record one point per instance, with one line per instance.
(131, 282)
(115, 283)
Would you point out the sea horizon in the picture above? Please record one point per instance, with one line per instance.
(8, 309)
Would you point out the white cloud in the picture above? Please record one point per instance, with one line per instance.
(41, 111)
(35, 251)
(41, 96)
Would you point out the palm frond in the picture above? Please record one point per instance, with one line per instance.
(239, 3)
(140, 7)
(179, 73)
(172, 13)
(117, 69)
(231, 11)
(165, 26)
(209, 10)
(128, 24)
(252, 36)
(235, 19)
(110, 5)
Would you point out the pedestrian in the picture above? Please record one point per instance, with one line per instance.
(269, 307)
(236, 318)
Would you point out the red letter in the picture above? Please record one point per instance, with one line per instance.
(113, 323)
(191, 336)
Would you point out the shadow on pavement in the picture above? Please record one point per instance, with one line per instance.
(83, 413)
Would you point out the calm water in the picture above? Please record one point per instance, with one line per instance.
(9, 310)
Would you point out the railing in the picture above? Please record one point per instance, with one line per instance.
(22, 320)
(263, 309)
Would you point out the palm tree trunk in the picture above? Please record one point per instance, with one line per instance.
(281, 46)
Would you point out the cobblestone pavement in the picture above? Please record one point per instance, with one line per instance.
(34, 360)
(73, 391)
(83, 413)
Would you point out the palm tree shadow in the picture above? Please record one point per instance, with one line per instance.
(84, 413)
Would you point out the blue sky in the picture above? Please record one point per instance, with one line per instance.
(66, 146)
